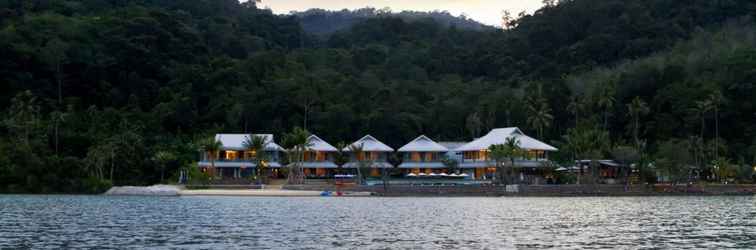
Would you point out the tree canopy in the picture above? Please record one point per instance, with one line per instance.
(93, 87)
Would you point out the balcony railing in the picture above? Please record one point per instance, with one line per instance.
(239, 160)
(516, 159)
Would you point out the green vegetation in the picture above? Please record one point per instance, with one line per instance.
(92, 91)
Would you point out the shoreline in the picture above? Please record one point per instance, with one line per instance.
(400, 191)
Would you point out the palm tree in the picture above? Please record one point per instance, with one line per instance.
(540, 116)
(257, 144)
(606, 101)
(298, 141)
(58, 117)
(637, 109)
(716, 99)
(509, 150)
(512, 150)
(212, 148)
(162, 158)
(341, 156)
(701, 109)
(357, 151)
(587, 143)
(575, 106)
(498, 153)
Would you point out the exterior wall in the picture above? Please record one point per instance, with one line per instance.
(238, 156)
(369, 156)
(422, 156)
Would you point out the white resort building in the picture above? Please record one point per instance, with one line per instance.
(476, 156)
(235, 161)
(374, 153)
(319, 158)
(420, 157)
(423, 155)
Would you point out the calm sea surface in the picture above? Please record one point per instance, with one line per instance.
(376, 223)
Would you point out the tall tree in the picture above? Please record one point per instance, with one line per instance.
(212, 148)
(54, 53)
(257, 146)
(576, 105)
(162, 158)
(701, 109)
(716, 100)
(540, 116)
(363, 162)
(606, 100)
(636, 110)
(297, 144)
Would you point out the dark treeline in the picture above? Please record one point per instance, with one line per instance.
(325, 22)
(94, 93)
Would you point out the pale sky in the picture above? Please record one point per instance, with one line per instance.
(484, 11)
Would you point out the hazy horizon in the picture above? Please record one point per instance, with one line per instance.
(484, 11)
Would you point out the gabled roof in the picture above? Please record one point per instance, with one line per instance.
(236, 141)
(500, 136)
(452, 145)
(317, 144)
(423, 144)
(370, 144)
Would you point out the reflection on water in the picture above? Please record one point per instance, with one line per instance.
(376, 223)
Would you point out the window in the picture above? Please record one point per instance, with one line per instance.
(415, 156)
(231, 155)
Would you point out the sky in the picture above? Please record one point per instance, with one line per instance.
(484, 11)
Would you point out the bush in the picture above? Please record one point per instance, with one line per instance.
(93, 185)
(196, 176)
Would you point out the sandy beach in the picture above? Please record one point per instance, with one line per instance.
(262, 193)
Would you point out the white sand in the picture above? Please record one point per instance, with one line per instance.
(261, 193)
(171, 190)
(156, 190)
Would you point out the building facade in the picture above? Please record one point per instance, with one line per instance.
(530, 168)
(235, 161)
(319, 158)
(373, 154)
(423, 155)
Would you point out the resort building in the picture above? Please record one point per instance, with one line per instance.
(452, 146)
(319, 158)
(477, 161)
(375, 154)
(423, 155)
(234, 160)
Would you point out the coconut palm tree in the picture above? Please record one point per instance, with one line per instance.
(212, 148)
(716, 99)
(576, 105)
(513, 150)
(257, 144)
(605, 101)
(341, 156)
(540, 116)
(57, 117)
(637, 109)
(700, 109)
(498, 153)
(298, 143)
(362, 162)
(162, 158)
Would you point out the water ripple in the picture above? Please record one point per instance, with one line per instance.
(88, 222)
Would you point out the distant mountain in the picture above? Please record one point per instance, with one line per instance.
(324, 22)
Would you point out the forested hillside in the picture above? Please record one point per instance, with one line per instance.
(91, 91)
